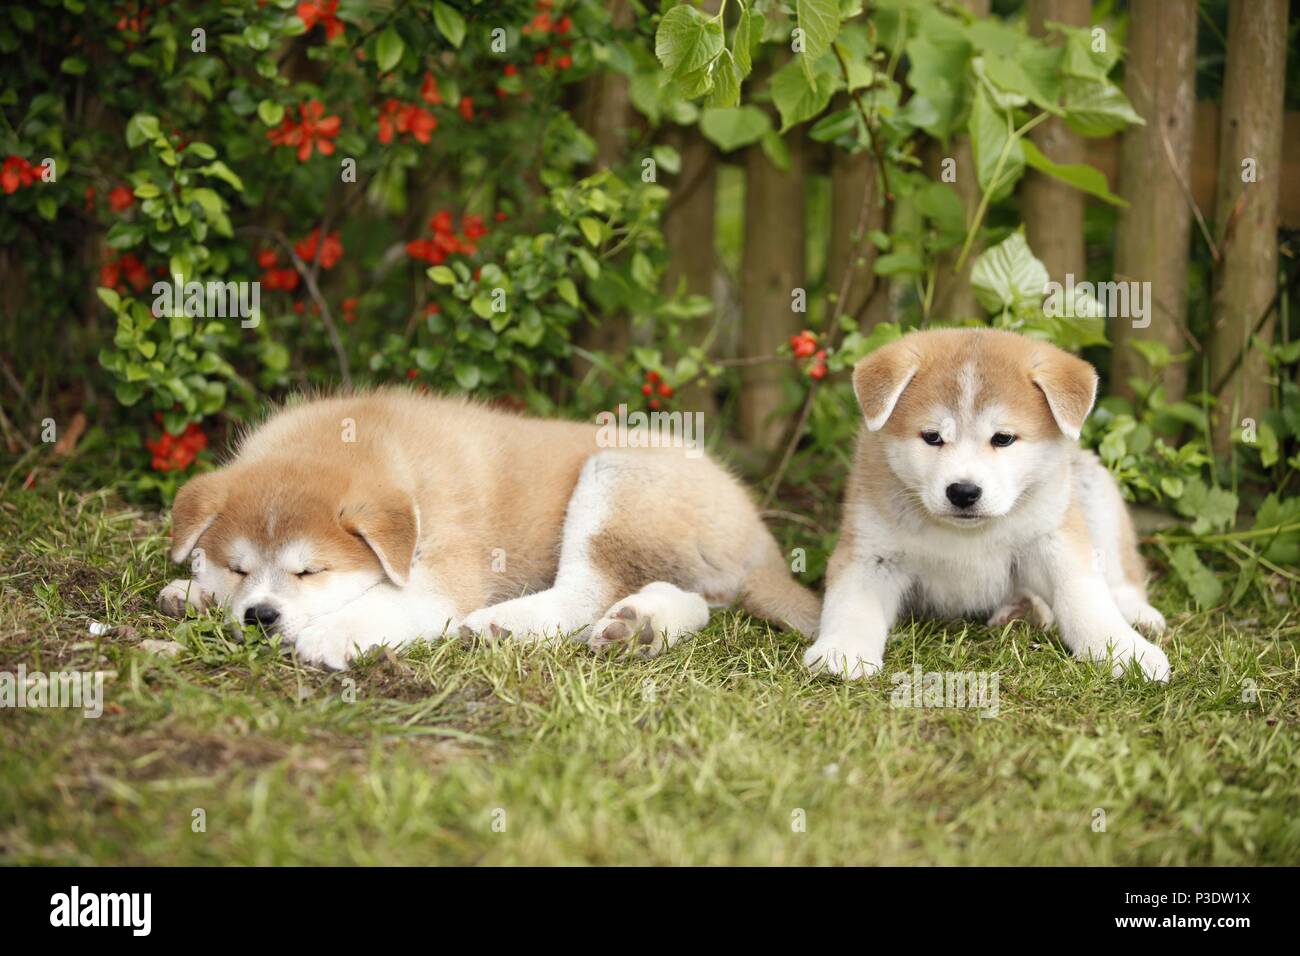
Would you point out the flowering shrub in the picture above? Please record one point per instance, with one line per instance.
(404, 185)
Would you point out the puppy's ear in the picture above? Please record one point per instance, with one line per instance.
(197, 505)
(389, 523)
(879, 380)
(1070, 385)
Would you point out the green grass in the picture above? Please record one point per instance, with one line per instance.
(708, 755)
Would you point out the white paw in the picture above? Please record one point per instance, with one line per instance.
(847, 660)
(1132, 603)
(1148, 620)
(534, 617)
(176, 596)
(650, 621)
(328, 645)
(1132, 649)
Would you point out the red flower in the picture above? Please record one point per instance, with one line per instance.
(818, 369)
(324, 13)
(267, 258)
(120, 199)
(314, 129)
(17, 172)
(412, 373)
(472, 227)
(177, 452)
(429, 90)
(564, 62)
(419, 122)
(441, 222)
(467, 107)
(349, 307)
(330, 252)
(285, 279)
(803, 344)
(666, 390)
(396, 117)
(510, 69)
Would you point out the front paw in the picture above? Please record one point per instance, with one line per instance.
(328, 645)
(1128, 651)
(845, 659)
(180, 594)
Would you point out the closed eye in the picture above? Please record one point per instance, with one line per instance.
(242, 574)
(307, 572)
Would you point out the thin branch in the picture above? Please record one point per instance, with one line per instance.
(309, 280)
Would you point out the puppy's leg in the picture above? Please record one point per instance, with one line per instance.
(181, 594)
(862, 601)
(1115, 545)
(385, 615)
(581, 590)
(1064, 569)
(650, 621)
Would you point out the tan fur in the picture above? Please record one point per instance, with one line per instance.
(441, 484)
(969, 495)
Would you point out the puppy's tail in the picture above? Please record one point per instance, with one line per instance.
(772, 594)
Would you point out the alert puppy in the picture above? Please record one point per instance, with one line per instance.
(970, 495)
(350, 522)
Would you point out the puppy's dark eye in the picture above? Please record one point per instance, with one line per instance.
(1003, 439)
(932, 438)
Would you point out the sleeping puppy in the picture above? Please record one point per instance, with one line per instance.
(350, 522)
(970, 495)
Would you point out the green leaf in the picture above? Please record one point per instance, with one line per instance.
(726, 81)
(991, 136)
(820, 22)
(1212, 508)
(219, 170)
(270, 112)
(1095, 108)
(450, 24)
(73, 65)
(591, 229)
(388, 50)
(687, 41)
(899, 263)
(734, 127)
(1008, 276)
(796, 99)
(776, 151)
(740, 42)
(140, 128)
(1200, 581)
(467, 375)
(1081, 176)
(567, 291)
(109, 297)
(442, 275)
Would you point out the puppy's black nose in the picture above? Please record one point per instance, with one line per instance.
(964, 494)
(261, 614)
